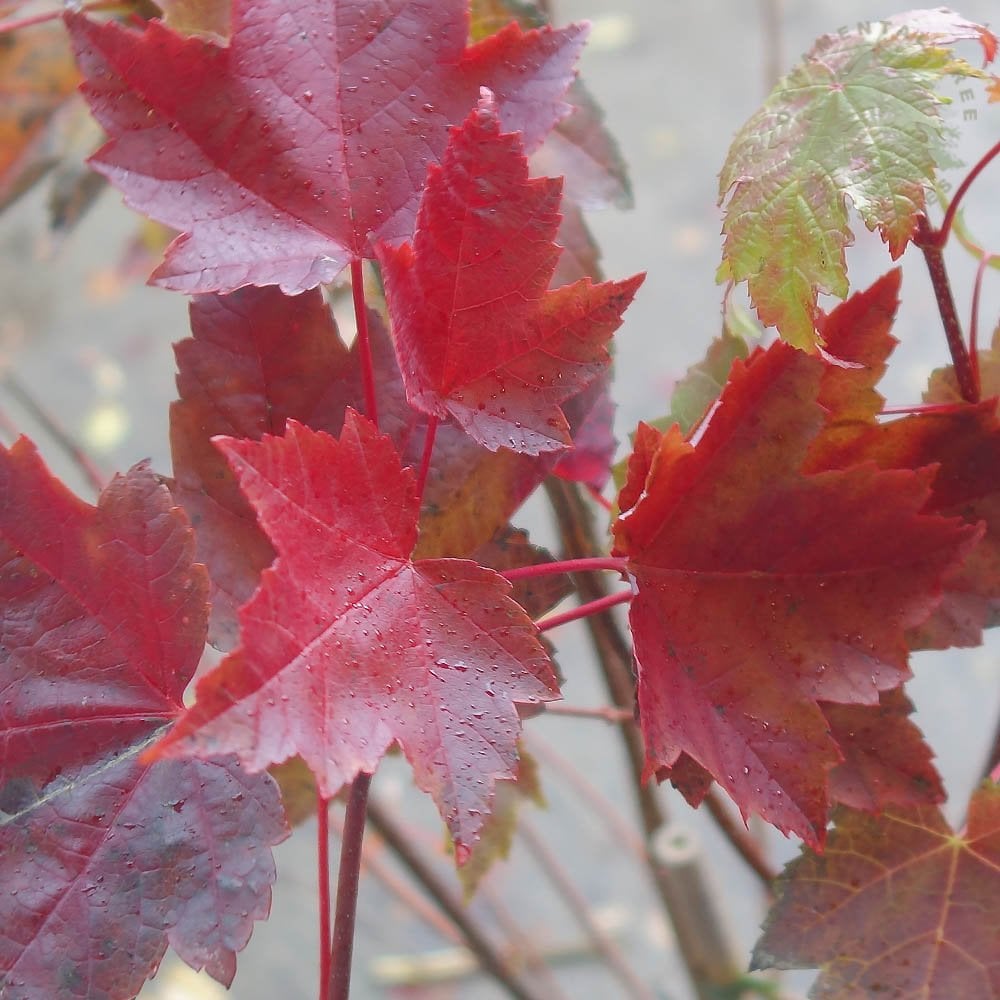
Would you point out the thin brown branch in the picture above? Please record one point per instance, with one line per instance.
(54, 429)
(741, 839)
(577, 904)
(490, 957)
(599, 804)
(342, 950)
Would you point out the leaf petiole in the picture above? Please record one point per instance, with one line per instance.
(949, 216)
(54, 15)
(930, 243)
(585, 610)
(339, 984)
(323, 865)
(425, 461)
(613, 563)
(364, 341)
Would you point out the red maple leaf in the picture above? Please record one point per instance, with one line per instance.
(257, 357)
(348, 646)
(962, 441)
(105, 859)
(479, 335)
(886, 761)
(283, 156)
(753, 604)
(896, 906)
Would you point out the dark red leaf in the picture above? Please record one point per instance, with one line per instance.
(592, 415)
(962, 440)
(348, 646)
(886, 761)
(256, 358)
(755, 602)
(285, 155)
(479, 336)
(104, 859)
(898, 906)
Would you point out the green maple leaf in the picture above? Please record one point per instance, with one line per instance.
(856, 120)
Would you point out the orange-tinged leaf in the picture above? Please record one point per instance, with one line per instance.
(348, 646)
(886, 761)
(510, 549)
(198, 17)
(896, 906)
(961, 439)
(497, 835)
(37, 77)
(754, 603)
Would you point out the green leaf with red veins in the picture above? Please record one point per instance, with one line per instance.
(285, 155)
(479, 336)
(348, 646)
(754, 603)
(855, 122)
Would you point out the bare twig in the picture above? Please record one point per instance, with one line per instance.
(599, 803)
(491, 959)
(580, 908)
(54, 429)
(742, 841)
(347, 889)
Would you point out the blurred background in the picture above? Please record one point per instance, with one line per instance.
(92, 343)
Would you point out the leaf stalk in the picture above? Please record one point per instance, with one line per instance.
(364, 340)
(342, 949)
(928, 241)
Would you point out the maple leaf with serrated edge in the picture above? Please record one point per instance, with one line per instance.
(257, 357)
(348, 646)
(897, 905)
(752, 606)
(856, 120)
(479, 336)
(501, 826)
(962, 440)
(886, 761)
(282, 157)
(104, 621)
